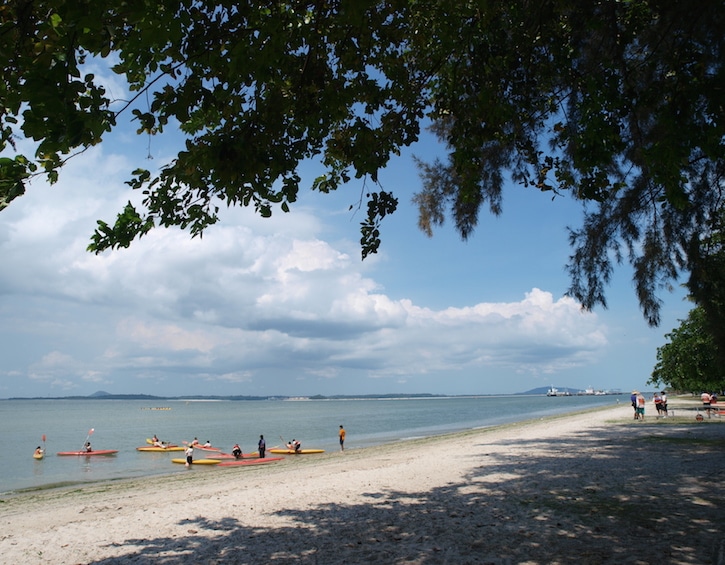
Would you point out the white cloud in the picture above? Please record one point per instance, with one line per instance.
(168, 337)
(256, 302)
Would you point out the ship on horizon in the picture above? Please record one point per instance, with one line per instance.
(556, 392)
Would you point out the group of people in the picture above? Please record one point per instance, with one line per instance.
(236, 450)
(296, 446)
(708, 399)
(293, 445)
(660, 400)
(156, 442)
(195, 442)
(261, 449)
(639, 402)
(709, 402)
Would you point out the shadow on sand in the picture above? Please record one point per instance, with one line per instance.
(624, 493)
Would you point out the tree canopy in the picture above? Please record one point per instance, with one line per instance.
(619, 104)
(689, 362)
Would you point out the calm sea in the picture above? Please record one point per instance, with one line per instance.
(125, 425)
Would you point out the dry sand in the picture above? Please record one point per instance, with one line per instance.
(593, 487)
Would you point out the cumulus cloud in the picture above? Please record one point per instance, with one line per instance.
(255, 302)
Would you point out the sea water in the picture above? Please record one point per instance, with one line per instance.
(125, 424)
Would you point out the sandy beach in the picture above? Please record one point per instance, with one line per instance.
(593, 487)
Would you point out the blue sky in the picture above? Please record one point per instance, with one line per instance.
(286, 306)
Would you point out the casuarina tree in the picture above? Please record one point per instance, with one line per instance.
(617, 104)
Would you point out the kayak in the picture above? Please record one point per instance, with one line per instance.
(198, 461)
(243, 462)
(207, 448)
(38, 455)
(90, 453)
(219, 455)
(166, 443)
(293, 452)
(156, 449)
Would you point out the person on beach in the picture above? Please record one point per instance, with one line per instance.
(663, 403)
(261, 446)
(657, 399)
(294, 445)
(633, 400)
(640, 406)
(341, 434)
(87, 447)
(189, 454)
(709, 402)
(237, 451)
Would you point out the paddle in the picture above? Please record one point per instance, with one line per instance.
(90, 433)
(43, 438)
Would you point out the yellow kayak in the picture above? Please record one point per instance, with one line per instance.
(167, 443)
(293, 452)
(198, 461)
(156, 449)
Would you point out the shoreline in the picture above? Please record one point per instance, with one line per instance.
(585, 487)
(172, 475)
(121, 426)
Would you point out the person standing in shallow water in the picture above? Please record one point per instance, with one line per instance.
(341, 434)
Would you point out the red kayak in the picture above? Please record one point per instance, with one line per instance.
(206, 448)
(243, 462)
(90, 453)
(219, 455)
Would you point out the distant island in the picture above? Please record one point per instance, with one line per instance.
(102, 395)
